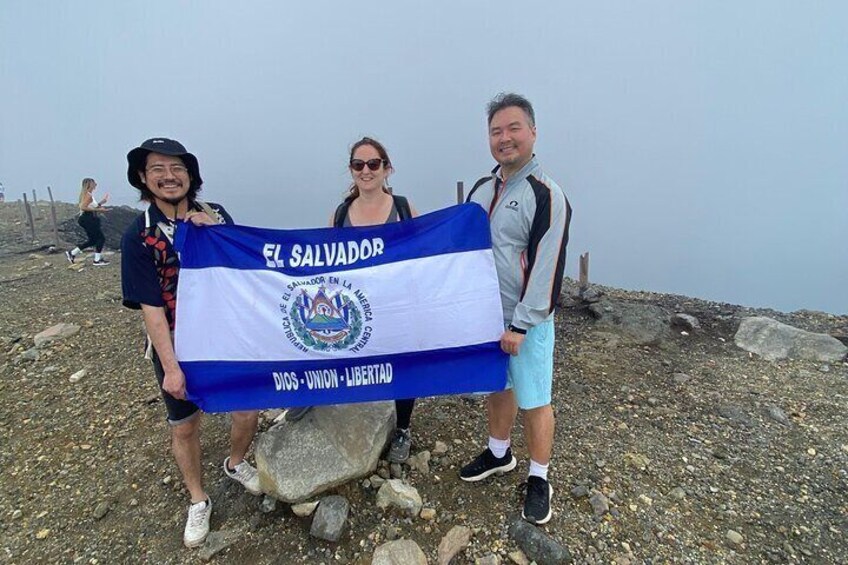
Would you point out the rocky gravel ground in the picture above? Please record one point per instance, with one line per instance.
(684, 450)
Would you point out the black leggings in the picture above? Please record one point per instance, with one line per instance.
(91, 224)
(403, 408)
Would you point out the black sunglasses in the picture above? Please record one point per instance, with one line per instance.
(373, 164)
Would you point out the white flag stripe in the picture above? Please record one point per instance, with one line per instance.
(416, 305)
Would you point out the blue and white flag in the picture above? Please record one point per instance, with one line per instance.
(282, 318)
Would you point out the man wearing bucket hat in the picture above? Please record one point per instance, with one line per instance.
(168, 178)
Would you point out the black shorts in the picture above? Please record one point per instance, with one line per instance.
(179, 411)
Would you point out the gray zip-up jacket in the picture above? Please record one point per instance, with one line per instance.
(529, 217)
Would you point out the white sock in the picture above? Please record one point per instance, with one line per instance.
(538, 470)
(97, 256)
(498, 447)
(76, 251)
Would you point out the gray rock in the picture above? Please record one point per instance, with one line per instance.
(454, 541)
(489, 559)
(580, 491)
(773, 340)
(685, 322)
(31, 354)
(330, 518)
(590, 294)
(268, 504)
(734, 537)
(537, 545)
(376, 480)
(440, 448)
(600, 504)
(395, 494)
(330, 446)
(641, 324)
(778, 415)
(101, 510)
(216, 542)
(681, 378)
(399, 552)
(420, 462)
(396, 470)
(735, 414)
(518, 557)
(55, 333)
(677, 493)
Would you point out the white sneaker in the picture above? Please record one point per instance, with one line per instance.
(197, 525)
(244, 473)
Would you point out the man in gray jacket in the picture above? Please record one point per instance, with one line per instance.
(529, 218)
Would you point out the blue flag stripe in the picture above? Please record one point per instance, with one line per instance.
(218, 386)
(315, 251)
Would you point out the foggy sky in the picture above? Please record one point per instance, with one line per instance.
(703, 145)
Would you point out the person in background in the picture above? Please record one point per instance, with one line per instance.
(90, 222)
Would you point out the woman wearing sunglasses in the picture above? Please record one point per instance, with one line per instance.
(369, 203)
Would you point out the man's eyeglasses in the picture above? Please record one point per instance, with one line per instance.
(159, 170)
(373, 164)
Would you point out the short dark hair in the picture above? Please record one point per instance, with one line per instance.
(507, 99)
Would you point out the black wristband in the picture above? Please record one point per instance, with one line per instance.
(517, 330)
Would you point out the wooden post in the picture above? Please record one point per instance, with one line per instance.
(584, 271)
(460, 192)
(35, 205)
(53, 217)
(29, 217)
(24, 222)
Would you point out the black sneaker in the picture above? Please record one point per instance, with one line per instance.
(70, 257)
(537, 503)
(486, 465)
(399, 449)
(100, 262)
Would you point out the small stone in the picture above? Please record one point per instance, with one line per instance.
(518, 557)
(734, 537)
(268, 505)
(685, 322)
(376, 481)
(428, 514)
(42, 534)
(537, 545)
(392, 533)
(101, 510)
(402, 551)
(55, 333)
(166, 481)
(646, 500)
(811, 452)
(216, 542)
(824, 369)
(395, 494)
(330, 518)
(600, 504)
(681, 378)
(16, 515)
(440, 448)
(77, 377)
(396, 470)
(454, 541)
(133, 502)
(580, 491)
(636, 461)
(777, 414)
(304, 509)
(490, 559)
(677, 493)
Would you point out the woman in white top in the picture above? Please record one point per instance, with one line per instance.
(90, 222)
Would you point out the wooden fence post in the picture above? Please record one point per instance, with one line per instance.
(53, 217)
(584, 271)
(29, 217)
(460, 192)
(36, 212)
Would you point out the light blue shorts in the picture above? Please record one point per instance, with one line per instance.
(530, 374)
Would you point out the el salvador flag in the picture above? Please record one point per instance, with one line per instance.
(284, 318)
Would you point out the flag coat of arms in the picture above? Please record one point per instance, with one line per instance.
(283, 318)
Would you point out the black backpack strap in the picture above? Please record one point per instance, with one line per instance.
(402, 207)
(341, 213)
(477, 185)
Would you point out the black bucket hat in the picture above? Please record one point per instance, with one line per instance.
(137, 159)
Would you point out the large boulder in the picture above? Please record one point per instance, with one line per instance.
(330, 446)
(639, 323)
(774, 340)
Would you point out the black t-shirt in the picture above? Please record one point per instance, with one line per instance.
(149, 265)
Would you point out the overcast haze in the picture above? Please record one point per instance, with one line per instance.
(703, 145)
